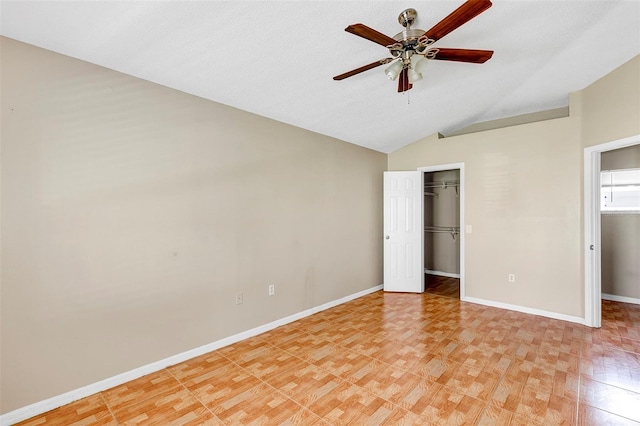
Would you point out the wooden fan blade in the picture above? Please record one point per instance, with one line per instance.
(403, 81)
(363, 68)
(463, 55)
(370, 34)
(466, 12)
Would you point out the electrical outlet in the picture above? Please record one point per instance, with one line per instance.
(239, 298)
(512, 278)
(272, 290)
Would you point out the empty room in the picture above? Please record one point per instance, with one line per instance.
(320, 213)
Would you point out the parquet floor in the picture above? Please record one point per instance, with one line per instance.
(442, 286)
(394, 359)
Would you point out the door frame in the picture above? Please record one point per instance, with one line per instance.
(591, 233)
(455, 166)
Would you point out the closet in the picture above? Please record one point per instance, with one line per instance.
(620, 224)
(442, 231)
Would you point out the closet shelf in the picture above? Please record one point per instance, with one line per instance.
(444, 184)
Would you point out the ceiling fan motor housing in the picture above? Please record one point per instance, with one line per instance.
(410, 40)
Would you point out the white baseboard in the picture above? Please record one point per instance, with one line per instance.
(524, 309)
(441, 274)
(616, 298)
(58, 401)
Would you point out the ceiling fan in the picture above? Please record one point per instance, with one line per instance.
(411, 48)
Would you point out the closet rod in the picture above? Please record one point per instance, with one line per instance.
(443, 185)
(451, 230)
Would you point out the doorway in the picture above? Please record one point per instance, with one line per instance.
(441, 232)
(592, 231)
(404, 230)
(443, 247)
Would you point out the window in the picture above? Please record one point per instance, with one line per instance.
(620, 190)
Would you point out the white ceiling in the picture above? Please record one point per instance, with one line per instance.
(277, 58)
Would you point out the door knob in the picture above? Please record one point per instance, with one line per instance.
(387, 237)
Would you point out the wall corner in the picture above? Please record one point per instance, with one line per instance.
(575, 104)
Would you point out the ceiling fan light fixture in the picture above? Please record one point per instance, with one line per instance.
(418, 63)
(394, 70)
(413, 75)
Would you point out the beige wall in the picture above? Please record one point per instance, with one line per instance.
(522, 199)
(622, 158)
(620, 253)
(621, 235)
(610, 107)
(133, 213)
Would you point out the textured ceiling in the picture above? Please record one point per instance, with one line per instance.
(277, 58)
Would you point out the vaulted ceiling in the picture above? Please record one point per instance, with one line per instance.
(277, 58)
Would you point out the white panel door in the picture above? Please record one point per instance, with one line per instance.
(404, 231)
